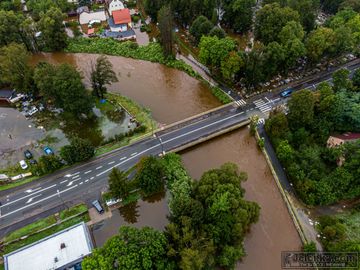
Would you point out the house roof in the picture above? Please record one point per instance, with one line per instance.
(85, 17)
(121, 16)
(347, 136)
(91, 31)
(121, 35)
(56, 251)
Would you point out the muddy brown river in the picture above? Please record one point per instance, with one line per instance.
(172, 95)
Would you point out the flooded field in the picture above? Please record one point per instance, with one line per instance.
(170, 94)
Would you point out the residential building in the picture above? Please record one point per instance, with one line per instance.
(120, 21)
(336, 140)
(115, 5)
(62, 250)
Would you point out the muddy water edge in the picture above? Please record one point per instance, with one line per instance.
(172, 95)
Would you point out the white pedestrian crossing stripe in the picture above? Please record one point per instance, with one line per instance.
(240, 102)
(262, 105)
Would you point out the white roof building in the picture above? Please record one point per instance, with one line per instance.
(61, 250)
(115, 5)
(87, 17)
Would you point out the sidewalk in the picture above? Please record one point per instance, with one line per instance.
(298, 212)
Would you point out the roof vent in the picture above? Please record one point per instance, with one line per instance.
(62, 246)
(56, 259)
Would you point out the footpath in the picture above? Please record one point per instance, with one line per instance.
(298, 212)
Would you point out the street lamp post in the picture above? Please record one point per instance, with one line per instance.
(162, 146)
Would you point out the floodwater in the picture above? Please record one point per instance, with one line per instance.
(170, 94)
(274, 231)
(151, 212)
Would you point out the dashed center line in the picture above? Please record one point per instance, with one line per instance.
(80, 183)
(112, 162)
(99, 167)
(75, 176)
(91, 178)
(133, 154)
(88, 172)
(124, 157)
(62, 182)
(87, 180)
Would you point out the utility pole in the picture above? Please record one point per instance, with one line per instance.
(162, 146)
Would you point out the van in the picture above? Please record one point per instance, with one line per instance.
(98, 206)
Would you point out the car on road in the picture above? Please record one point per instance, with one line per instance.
(287, 92)
(48, 150)
(23, 164)
(98, 206)
(28, 154)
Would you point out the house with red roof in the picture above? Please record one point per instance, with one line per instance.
(120, 21)
(336, 140)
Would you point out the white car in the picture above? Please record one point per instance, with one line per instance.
(32, 111)
(23, 164)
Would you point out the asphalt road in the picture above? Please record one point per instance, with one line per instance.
(85, 182)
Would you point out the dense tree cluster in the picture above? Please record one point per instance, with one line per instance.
(321, 174)
(78, 150)
(208, 218)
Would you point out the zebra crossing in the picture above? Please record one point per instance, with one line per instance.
(263, 106)
(240, 102)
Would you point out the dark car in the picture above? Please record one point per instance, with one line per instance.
(98, 206)
(28, 154)
(33, 162)
(286, 93)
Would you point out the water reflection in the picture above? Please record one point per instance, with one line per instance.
(130, 212)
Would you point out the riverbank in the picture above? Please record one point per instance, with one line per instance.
(151, 52)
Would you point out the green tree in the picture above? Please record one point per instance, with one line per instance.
(218, 32)
(150, 175)
(53, 36)
(78, 150)
(44, 75)
(307, 10)
(42, 6)
(341, 80)
(292, 30)
(119, 184)
(320, 42)
(277, 125)
(356, 79)
(165, 20)
(238, 14)
(301, 109)
(271, 19)
(200, 27)
(274, 57)
(14, 68)
(285, 152)
(49, 164)
(309, 247)
(132, 248)
(102, 74)
(214, 50)
(231, 65)
(10, 23)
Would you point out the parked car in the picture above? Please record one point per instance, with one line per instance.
(286, 93)
(23, 164)
(112, 201)
(28, 154)
(48, 150)
(98, 206)
(33, 162)
(32, 111)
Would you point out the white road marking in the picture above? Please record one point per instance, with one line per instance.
(122, 158)
(32, 194)
(32, 190)
(182, 135)
(99, 167)
(91, 178)
(88, 172)
(76, 176)
(32, 198)
(62, 182)
(112, 162)
(87, 180)
(69, 184)
(133, 154)
(39, 201)
(80, 183)
(75, 173)
(67, 175)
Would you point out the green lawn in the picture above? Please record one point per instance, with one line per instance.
(80, 208)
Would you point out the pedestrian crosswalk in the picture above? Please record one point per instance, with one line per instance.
(263, 106)
(240, 102)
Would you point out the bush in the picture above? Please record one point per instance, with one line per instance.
(135, 18)
(145, 28)
(220, 95)
(78, 150)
